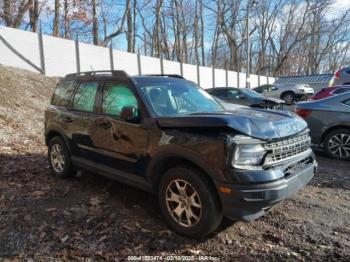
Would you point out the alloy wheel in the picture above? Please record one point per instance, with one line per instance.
(289, 98)
(339, 145)
(57, 158)
(183, 203)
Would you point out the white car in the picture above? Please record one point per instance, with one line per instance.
(290, 93)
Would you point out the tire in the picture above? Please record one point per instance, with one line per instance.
(337, 144)
(289, 97)
(206, 219)
(57, 150)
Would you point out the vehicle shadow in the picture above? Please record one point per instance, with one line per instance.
(87, 212)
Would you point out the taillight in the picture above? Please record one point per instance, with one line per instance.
(304, 113)
(337, 74)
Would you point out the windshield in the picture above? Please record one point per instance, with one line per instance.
(250, 93)
(174, 99)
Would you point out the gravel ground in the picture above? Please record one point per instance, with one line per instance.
(42, 217)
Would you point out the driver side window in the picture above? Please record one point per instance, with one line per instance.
(115, 97)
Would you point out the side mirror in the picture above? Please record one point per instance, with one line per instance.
(241, 96)
(130, 114)
(273, 88)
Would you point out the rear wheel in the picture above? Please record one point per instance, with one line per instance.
(188, 202)
(337, 144)
(59, 159)
(289, 97)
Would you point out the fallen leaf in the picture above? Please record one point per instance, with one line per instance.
(50, 209)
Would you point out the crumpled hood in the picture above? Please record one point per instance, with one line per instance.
(261, 124)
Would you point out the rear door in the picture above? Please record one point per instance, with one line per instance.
(83, 113)
(120, 145)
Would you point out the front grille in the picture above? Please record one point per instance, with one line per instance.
(291, 169)
(286, 148)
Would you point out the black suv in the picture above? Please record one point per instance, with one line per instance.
(165, 135)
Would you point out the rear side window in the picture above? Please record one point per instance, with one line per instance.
(62, 93)
(219, 93)
(84, 98)
(115, 97)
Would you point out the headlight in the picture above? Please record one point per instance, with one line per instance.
(248, 154)
(301, 91)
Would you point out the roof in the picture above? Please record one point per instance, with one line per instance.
(158, 79)
(305, 79)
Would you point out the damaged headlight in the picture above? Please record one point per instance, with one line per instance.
(248, 153)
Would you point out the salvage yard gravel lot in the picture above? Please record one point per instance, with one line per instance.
(43, 217)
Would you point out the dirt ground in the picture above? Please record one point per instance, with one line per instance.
(42, 217)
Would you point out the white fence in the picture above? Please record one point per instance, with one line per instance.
(58, 57)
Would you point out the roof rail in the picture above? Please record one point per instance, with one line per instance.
(167, 75)
(117, 73)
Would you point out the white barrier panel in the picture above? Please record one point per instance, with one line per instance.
(150, 65)
(220, 78)
(171, 67)
(59, 56)
(125, 61)
(254, 81)
(60, 59)
(206, 77)
(190, 72)
(26, 43)
(93, 57)
(232, 79)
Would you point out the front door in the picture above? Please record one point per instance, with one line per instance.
(121, 145)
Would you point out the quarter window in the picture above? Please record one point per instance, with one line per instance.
(115, 97)
(84, 98)
(62, 93)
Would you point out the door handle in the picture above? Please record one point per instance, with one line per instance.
(67, 119)
(105, 125)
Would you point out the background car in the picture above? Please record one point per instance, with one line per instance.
(329, 123)
(341, 77)
(290, 93)
(330, 91)
(244, 96)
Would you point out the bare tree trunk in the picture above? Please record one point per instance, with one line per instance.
(34, 15)
(12, 18)
(65, 19)
(95, 32)
(156, 39)
(195, 33)
(56, 20)
(134, 26)
(129, 22)
(202, 31)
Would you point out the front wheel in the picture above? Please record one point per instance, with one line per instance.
(289, 97)
(337, 144)
(189, 203)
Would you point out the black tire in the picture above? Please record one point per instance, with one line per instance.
(211, 212)
(289, 97)
(67, 168)
(331, 148)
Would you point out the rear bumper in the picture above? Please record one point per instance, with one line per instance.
(248, 202)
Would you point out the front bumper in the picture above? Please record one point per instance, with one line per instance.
(249, 201)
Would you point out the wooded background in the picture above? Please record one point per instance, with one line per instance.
(287, 37)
